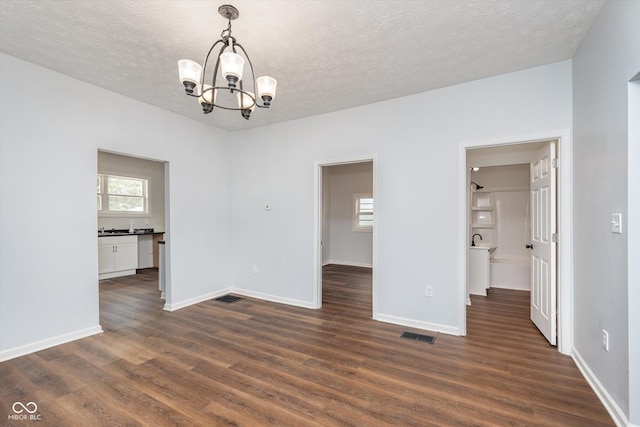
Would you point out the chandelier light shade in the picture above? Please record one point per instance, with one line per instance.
(202, 81)
(266, 89)
(232, 66)
(246, 101)
(190, 73)
(207, 98)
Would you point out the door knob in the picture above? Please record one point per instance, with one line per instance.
(529, 246)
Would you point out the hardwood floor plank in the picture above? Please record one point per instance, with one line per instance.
(259, 363)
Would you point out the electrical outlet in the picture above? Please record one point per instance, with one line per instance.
(605, 340)
(428, 291)
(255, 269)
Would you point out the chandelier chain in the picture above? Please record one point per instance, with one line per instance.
(226, 34)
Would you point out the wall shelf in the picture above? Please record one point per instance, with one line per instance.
(482, 215)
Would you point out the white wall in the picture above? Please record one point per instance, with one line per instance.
(501, 177)
(48, 222)
(504, 154)
(416, 140)
(346, 246)
(110, 163)
(605, 62)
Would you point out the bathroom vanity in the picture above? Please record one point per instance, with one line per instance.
(479, 269)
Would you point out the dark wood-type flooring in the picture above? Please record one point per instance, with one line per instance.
(257, 363)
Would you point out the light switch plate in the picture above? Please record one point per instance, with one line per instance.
(616, 223)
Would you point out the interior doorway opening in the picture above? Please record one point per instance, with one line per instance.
(514, 151)
(347, 227)
(133, 220)
(505, 217)
(345, 222)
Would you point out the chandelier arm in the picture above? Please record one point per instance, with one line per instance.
(253, 76)
(215, 69)
(206, 59)
(235, 90)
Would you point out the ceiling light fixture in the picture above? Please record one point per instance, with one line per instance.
(231, 66)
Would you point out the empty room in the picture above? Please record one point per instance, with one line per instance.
(320, 213)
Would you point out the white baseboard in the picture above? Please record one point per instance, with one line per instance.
(237, 291)
(273, 298)
(348, 263)
(12, 353)
(450, 330)
(511, 286)
(116, 274)
(196, 300)
(610, 405)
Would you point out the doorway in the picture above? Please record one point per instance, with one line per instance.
(133, 197)
(345, 219)
(508, 151)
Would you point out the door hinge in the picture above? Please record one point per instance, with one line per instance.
(555, 162)
(554, 237)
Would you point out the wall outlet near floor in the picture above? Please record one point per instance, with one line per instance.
(428, 291)
(605, 340)
(254, 270)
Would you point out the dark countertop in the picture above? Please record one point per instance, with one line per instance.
(125, 232)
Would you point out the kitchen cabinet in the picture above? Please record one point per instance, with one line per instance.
(145, 251)
(117, 256)
(157, 237)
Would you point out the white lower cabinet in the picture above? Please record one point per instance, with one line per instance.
(145, 251)
(117, 256)
(479, 272)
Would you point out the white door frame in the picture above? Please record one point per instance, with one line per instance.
(564, 219)
(167, 209)
(317, 226)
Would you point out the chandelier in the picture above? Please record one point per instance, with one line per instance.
(230, 63)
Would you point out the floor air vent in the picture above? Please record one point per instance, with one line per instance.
(228, 299)
(418, 337)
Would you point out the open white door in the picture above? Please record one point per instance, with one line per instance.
(543, 246)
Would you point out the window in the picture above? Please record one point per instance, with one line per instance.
(122, 195)
(363, 212)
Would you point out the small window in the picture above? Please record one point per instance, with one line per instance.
(363, 212)
(122, 195)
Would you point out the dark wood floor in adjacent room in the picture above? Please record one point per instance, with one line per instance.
(256, 363)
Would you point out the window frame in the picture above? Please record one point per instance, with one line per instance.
(104, 196)
(357, 212)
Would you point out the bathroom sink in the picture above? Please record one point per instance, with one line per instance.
(491, 249)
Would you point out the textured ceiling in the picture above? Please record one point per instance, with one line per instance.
(327, 55)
